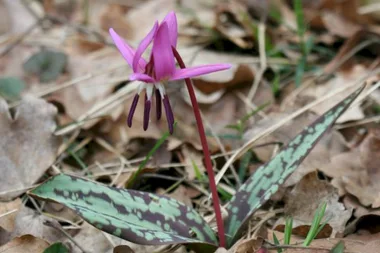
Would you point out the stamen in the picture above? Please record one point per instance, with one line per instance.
(146, 113)
(132, 109)
(169, 113)
(158, 105)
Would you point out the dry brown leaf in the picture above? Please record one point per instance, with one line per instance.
(247, 246)
(113, 16)
(94, 240)
(179, 194)
(349, 44)
(359, 210)
(338, 25)
(358, 171)
(5, 22)
(25, 139)
(7, 221)
(123, 249)
(303, 201)
(341, 79)
(30, 222)
(144, 15)
(25, 243)
(17, 10)
(78, 99)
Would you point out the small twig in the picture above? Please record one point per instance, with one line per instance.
(263, 62)
(7, 213)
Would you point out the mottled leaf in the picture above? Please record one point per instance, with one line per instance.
(56, 248)
(48, 65)
(267, 178)
(11, 87)
(135, 216)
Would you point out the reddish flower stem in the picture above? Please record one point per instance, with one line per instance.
(206, 152)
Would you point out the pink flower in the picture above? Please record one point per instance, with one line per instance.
(159, 69)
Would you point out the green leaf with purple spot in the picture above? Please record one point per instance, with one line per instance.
(136, 216)
(268, 177)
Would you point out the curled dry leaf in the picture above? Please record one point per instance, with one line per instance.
(303, 201)
(28, 146)
(25, 243)
(358, 171)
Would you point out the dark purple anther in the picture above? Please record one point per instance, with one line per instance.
(158, 105)
(146, 113)
(132, 109)
(169, 113)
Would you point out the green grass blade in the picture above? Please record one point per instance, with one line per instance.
(338, 248)
(277, 242)
(301, 26)
(315, 227)
(136, 216)
(268, 177)
(288, 230)
(244, 163)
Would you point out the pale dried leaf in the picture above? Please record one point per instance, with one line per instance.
(28, 146)
(30, 222)
(358, 171)
(8, 221)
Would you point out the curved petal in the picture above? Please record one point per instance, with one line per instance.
(141, 77)
(164, 65)
(198, 71)
(171, 20)
(137, 67)
(126, 51)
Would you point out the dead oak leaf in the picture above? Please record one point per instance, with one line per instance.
(304, 199)
(30, 222)
(28, 146)
(358, 171)
(25, 243)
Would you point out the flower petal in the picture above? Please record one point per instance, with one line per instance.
(126, 51)
(137, 67)
(163, 57)
(141, 77)
(199, 70)
(171, 20)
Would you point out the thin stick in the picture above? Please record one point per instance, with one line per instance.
(51, 224)
(206, 152)
(263, 62)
